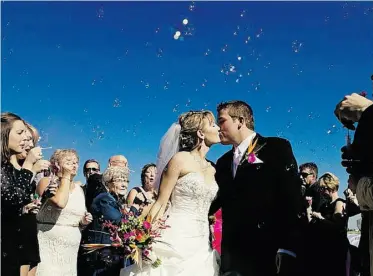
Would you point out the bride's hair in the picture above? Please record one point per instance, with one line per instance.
(190, 123)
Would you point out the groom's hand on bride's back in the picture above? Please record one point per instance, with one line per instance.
(286, 264)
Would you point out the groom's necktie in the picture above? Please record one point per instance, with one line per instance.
(236, 160)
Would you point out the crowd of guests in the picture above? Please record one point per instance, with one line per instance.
(47, 215)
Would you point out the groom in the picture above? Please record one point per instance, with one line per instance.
(260, 197)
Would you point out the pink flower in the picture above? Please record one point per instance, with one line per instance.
(251, 158)
(146, 225)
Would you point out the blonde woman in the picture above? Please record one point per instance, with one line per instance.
(61, 218)
(186, 180)
(328, 229)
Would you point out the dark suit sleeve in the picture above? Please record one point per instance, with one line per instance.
(364, 193)
(352, 209)
(216, 204)
(289, 198)
(362, 145)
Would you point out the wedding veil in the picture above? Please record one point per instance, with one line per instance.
(168, 148)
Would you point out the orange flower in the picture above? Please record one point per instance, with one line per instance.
(139, 235)
(252, 146)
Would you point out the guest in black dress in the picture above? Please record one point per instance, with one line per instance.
(16, 191)
(328, 242)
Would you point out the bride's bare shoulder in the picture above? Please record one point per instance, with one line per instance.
(181, 156)
(179, 159)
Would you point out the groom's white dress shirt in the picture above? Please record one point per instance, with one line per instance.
(239, 152)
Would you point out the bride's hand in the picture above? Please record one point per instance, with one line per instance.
(212, 220)
(159, 224)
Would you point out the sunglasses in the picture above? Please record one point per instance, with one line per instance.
(304, 174)
(91, 169)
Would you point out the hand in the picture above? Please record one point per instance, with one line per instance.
(349, 110)
(40, 165)
(159, 224)
(309, 201)
(317, 215)
(87, 219)
(212, 219)
(32, 208)
(286, 264)
(352, 184)
(34, 155)
(53, 186)
(353, 199)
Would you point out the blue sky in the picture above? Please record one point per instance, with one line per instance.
(109, 78)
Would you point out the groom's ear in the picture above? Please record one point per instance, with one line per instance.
(241, 120)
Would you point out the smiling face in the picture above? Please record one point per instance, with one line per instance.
(17, 137)
(119, 186)
(116, 180)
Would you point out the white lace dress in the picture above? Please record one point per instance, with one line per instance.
(186, 251)
(59, 236)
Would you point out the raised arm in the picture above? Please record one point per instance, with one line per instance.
(169, 178)
(62, 194)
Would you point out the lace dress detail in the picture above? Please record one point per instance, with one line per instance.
(184, 248)
(59, 236)
(192, 198)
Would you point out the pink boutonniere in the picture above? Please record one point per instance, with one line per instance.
(251, 157)
(250, 154)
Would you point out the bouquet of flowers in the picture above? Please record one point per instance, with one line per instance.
(135, 235)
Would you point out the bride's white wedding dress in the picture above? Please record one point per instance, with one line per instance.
(185, 250)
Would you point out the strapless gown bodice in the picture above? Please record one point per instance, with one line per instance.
(184, 247)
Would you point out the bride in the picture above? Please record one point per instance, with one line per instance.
(187, 188)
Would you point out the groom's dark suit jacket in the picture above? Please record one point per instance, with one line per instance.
(260, 208)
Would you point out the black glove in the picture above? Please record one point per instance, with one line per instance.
(286, 264)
